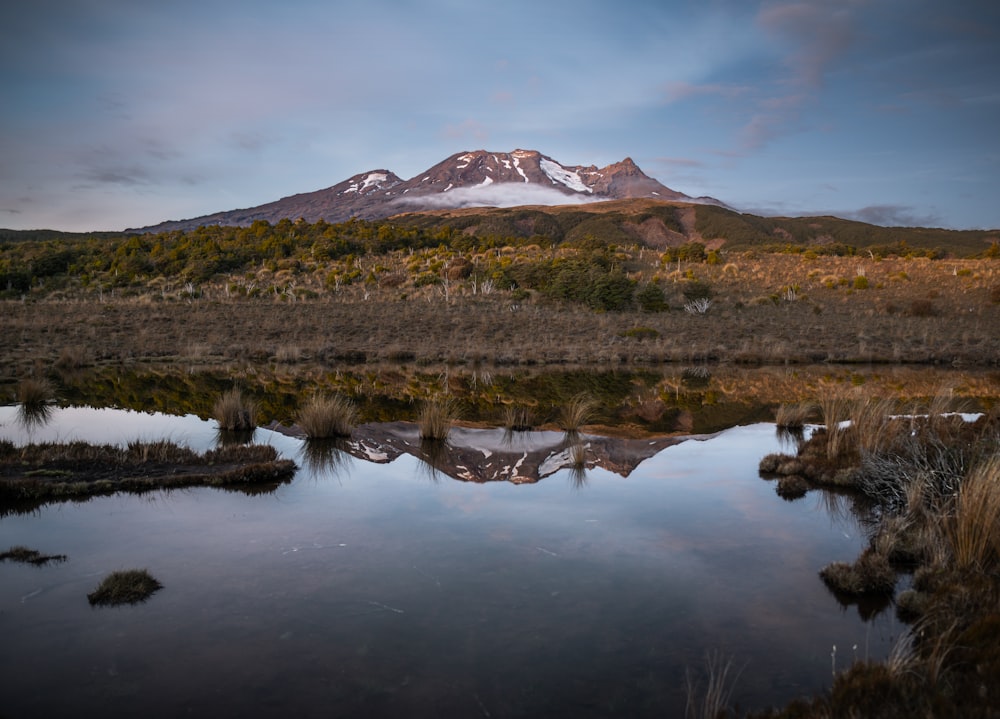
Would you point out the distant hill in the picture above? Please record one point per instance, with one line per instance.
(661, 224)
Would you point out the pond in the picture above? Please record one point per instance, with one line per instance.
(390, 588)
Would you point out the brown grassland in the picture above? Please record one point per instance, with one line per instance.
(763, 309)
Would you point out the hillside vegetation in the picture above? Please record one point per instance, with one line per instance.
(625, 281)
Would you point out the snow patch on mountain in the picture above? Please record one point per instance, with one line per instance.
(557, 173)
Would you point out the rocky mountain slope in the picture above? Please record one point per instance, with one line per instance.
(468, 179)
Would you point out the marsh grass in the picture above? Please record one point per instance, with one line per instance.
(327, 416)
(973, 530)
(35, 391)
(234, 412)
(25, 555)
(712, 701)
(872, 429)
(793, 416)
(834, 410)
(436, 418)
(870, 574)
(128, 586)
(576, 413)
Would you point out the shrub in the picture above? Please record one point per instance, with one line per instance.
(861, 282)
(922, 308)
(697, 290)
(651, 298)
(641, 333)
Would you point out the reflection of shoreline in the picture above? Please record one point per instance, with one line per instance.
(496, 455)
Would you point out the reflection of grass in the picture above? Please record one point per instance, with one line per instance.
(325, 456)
(326, 416)
(30, 556)
(124, 587)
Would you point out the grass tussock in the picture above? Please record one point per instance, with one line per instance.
(793, 416)
(576, 413)
(35, 391)
(327, 416)
(128, 586)
(436, 418)
(25, 555)
(870, 574)
(973, 530)
(234, 412)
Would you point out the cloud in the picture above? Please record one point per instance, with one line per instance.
(819, 32)
(506, 194)
(679, 162)
(468, 128)
(677, 91)
(893, 216)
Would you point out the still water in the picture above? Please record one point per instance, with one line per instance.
(391, 589)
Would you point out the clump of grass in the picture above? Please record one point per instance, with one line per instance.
(872, 429)
(30, 556)
(792, 416)
(973, 530)
(576, 413)
(870, 574)
(35, 391)
(435, 420)
(235, 413)
(791, 487)
(834, 411)
(124, 587)
(327, 416)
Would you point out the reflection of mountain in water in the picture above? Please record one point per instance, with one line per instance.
(498, 455)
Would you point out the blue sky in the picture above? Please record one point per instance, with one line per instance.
(124, 113)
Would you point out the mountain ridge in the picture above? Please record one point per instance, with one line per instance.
(477, 178)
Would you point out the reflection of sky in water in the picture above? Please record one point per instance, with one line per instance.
(376, 590)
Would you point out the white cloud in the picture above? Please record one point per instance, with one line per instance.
(506, 194)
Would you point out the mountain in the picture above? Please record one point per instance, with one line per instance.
(467, 179)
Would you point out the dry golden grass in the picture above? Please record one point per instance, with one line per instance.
(974, 529)
(234, 412)
(577, 412)
(435, 420)
(327, 416)
(370, 322)
(793, 416)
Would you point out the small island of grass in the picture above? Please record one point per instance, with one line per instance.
(128, 586)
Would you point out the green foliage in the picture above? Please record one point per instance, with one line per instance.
(651, 298)
(697, 290)
(690, 252)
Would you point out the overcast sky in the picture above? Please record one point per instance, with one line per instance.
(124, 113)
